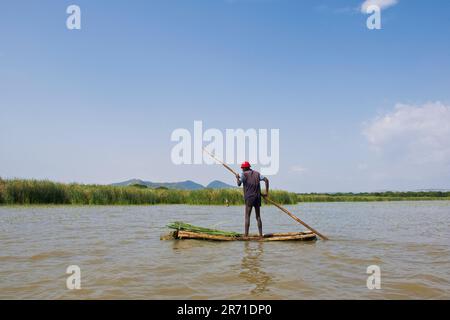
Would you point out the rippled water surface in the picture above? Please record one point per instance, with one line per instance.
(121, 255)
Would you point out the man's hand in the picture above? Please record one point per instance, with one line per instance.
(238, 179)
(266, 194)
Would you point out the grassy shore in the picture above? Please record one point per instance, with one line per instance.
(31, 192)
(376, 196)
(36, 192)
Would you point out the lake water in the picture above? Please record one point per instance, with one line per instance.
(121, 255)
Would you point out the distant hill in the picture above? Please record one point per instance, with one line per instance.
(183, 185)
(216, 184)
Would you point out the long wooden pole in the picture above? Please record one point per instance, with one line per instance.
(221, 162)
(279, 206)
(295, 218)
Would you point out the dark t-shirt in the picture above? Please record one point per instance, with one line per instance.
(252, 186)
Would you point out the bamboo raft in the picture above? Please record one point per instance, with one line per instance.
(287, 236)
(188, 231)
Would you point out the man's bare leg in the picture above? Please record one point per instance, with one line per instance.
(248, 211)
(258, 220)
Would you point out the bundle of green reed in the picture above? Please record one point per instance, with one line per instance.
(178, 225)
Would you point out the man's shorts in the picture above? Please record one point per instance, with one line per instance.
(253, 202)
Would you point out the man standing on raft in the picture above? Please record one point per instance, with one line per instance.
(252, 194)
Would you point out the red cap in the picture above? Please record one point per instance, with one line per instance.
(245, 165)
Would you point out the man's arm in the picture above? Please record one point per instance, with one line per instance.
(266, 181)
(238, 179)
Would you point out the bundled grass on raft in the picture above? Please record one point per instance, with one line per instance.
(178, 225)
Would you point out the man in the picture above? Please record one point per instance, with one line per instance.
(252, 194)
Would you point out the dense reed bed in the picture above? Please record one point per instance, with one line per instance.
(376, 196)
(30, 192)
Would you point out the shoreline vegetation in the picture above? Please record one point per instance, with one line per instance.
(38, 192)
(42, 192)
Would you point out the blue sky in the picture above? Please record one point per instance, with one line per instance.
(357, 109)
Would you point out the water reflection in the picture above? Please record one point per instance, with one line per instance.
(251, 267)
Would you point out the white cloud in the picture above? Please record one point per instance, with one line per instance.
(383, 4)
(416, 135)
